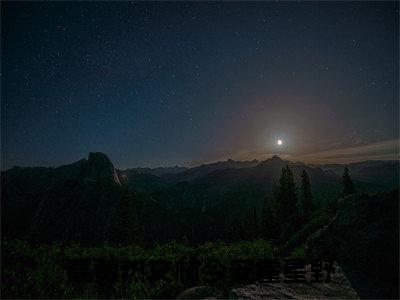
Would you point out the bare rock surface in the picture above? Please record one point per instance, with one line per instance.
(338, 288)
(200, 292)
(364, 238)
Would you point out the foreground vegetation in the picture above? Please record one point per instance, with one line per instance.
(44, 270)
(41, 271)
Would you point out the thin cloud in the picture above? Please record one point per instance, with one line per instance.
(381, 150)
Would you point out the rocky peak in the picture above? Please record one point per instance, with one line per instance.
(275, 161)
(100, 166)
(275, 157)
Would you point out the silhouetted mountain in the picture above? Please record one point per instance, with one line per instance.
(384, 174)
(239, 188)
(125, 174)
(72, 202)
(200, 171)
(265, 174)
(145, 182)
(99, 166)
(148, 179)
(79, 201)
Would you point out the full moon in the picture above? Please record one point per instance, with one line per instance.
(279, 142)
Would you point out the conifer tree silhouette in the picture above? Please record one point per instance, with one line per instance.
(286, 195)
(348, 186)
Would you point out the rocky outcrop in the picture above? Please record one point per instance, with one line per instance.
(364, 237)
(74, 202)
(338, 288)
(100, 166)
(200, 292)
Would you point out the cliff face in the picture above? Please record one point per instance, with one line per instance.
(100, 166)
(364, 237)
(71, 202)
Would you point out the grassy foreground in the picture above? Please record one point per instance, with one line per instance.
(41, 271)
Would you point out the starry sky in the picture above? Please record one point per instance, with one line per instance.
(168, 83)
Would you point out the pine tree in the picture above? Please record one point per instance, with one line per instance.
(348, 186)
(305, 194)
(286, 195)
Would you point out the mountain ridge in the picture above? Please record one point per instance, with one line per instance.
(57, 203)
(177, 168)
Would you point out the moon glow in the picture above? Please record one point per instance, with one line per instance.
(279, 142)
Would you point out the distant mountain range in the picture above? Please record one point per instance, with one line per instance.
(371, 170)
(368, 175)
(375, 170)
(79, 201)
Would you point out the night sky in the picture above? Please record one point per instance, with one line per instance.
(164, 83)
